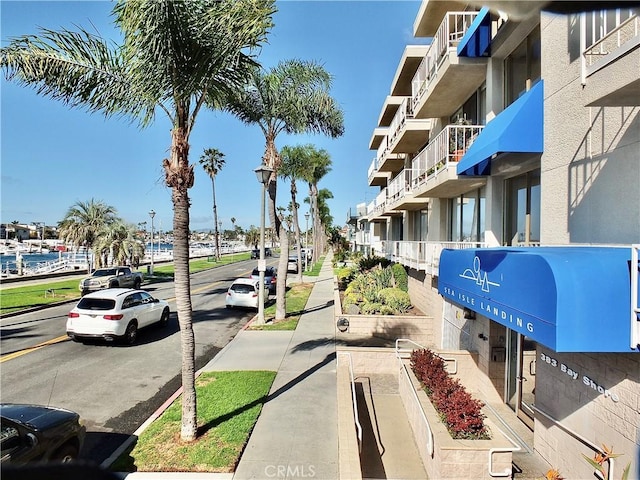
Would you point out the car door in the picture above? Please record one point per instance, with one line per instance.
(18, 445)
(153, 309)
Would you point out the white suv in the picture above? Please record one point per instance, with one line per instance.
(115, 314)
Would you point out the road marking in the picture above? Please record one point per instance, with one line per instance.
(24, 351)
(64, 338)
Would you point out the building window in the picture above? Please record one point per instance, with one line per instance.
(522, 68)
(467, 217)
(523, 209)
(420, 225)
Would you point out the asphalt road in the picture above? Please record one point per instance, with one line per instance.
(113, 387)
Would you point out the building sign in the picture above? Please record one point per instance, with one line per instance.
(569, 299)
(574, 375)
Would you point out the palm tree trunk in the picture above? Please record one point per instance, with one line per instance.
(179, 176)
(215, 217)
(296, 227)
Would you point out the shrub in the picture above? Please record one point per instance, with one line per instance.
(344, 276)
(461, 413)
(400, 276)
(395, 298)
(371, 308)
(367, 263)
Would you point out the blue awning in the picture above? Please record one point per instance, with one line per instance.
(477, 40)
(569, 299)
(518, 128)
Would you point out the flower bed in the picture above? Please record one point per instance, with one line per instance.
(461, 413)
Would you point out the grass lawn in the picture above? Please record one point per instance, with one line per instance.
(229, 404)
(297, 296)
(13, 299)
(315, 269)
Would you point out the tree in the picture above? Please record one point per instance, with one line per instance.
(293, 98)
(118, 242)
(294, 160)
(84, 222)
(318, 166)
(176, 58)
(212, 161)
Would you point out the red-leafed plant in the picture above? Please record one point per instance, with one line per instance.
(461, 413)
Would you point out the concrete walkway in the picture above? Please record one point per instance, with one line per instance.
(296, 434)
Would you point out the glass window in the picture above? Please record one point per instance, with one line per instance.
(522, 67)
(467, 217)
(523, 209)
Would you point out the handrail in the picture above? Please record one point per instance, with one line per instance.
(578, 437)
(452, 360)
(354, 401)
(516, 448)
(635, 307)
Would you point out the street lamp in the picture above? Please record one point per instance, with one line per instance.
(220, 239)
(151, 214)
(263, 173)
(306, 241)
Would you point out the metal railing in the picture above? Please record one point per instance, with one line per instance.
(404, 112)
(424, 255)
(609, 45)
(450, 32)
(354, 400)
(447, 148)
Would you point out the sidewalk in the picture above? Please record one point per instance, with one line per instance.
(296, 435)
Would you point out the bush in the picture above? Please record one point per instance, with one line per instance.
(344, 276)
(374, 308)
(367, 263)
(396, 299)
(400, 276)
(461, 413)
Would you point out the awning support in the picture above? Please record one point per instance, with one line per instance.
(635, 307)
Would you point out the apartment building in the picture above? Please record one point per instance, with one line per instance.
(507, 157)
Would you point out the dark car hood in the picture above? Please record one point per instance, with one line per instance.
(36, 416)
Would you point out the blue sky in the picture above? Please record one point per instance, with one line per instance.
(53, 157)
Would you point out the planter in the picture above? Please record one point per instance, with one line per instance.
(442, 456)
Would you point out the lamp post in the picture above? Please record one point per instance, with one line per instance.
(220, 239)
(151, 214)
(263, 173)
(306, 241)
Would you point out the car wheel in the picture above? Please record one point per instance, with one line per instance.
(66, 454)
(164, 318)
(131, 334)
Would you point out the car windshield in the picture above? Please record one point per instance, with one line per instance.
(88, 303)
(267, 273)
(104, 273)
(242, 288)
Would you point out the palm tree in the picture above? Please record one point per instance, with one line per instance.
(252, 237)
(212, 161)
(318, 166)
(293, 98)
(176, 58)
(83, 223)
(118, 242)
(294, 161)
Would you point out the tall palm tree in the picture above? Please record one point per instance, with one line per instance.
(83, 223)
(212, 160)
(176, 58)
(293, 97)
(294, 160)
(118, 242)
(318, 166)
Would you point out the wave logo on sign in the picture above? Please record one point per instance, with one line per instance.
(478, 276)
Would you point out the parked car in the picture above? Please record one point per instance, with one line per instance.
(270, 278)
(33, 433)
(292, 264)
(111, 277)
(115, 314)
(243, 292)
(255, 253)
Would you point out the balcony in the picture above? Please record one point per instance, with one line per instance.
(434, 168)
(376, 209)
(610, 65)
(431, 11)
(400, 195)
(406, 133)
(385, 160)
(444, 80)
(375, 177)
(424, 255)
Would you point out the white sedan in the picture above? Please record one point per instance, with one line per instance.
(243, 292)
(115, 314)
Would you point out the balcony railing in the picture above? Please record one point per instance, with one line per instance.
(445, 149)
(373, 168)
(399, 186)
(449, 34)
(612, 44)
(424, 255)
(404, 112)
